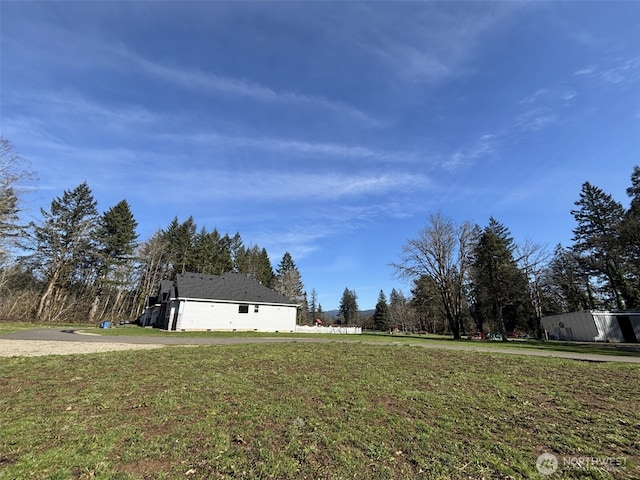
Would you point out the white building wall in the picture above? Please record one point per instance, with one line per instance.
(579, 326)
(608, 327)
(207, 315)
(589, 326)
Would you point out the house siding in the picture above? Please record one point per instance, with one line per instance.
(199, 315)
(195, 302)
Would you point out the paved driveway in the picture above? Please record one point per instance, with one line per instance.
(55, 340)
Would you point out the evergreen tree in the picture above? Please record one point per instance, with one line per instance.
(289, 283)
(264, 271)
(254, 262)
(288, 279)
(211, 254)
(116, 239)
(64, 244)
(313, 307)
(597, 240)
(569, 282)
(181, 238)
(237, 252)
(303, 312)
(630, 243)
(427, 303)
(381, 317)
(400, 312)
(349, 307)
(500, 288)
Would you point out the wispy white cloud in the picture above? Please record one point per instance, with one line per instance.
(290, 146)
(589, 70)
(279, 186)
(618, 71)
(415, 65)
(76, 107)
(549, 96)
(534, 119)
(432, 44)
(534, 97)
(525, 122)
(197, 79)
(483, 146)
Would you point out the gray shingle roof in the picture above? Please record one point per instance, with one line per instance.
(235, 287)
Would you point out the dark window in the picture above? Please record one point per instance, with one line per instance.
(243, 308)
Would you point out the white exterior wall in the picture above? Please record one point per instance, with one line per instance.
(588, 326)
(578, 326)
(608, 327)
(209, 315)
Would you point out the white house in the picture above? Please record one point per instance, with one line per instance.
(229, 302)
(594, 326)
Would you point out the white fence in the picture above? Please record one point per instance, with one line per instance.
(317, 329)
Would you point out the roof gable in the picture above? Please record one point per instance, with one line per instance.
(235, 287)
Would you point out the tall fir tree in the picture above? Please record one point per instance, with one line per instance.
(254, 262)
(569, 282)
(381, 316)
(181, 238)
(597, 240)
(313, 306)
(349, 307)
(499, 287)
(116, 240)
(630, 242)
(289, 283)
(64, 243)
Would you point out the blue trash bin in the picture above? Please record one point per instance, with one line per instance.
(105, 324)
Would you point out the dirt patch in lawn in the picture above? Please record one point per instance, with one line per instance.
(35, 348)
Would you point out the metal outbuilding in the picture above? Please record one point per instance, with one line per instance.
(594, 326)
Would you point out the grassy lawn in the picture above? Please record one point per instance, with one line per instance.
(133, 330)
(593, 348)
(321, 411)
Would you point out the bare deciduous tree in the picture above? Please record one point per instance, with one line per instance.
(441, 252)
(12, 172)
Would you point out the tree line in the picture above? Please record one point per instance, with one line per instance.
(76, 265)
(471, 278)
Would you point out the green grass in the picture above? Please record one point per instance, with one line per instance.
(591, 348)
(425, 340)
(322, 411)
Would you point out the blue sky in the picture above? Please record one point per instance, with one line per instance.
(328, 130)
